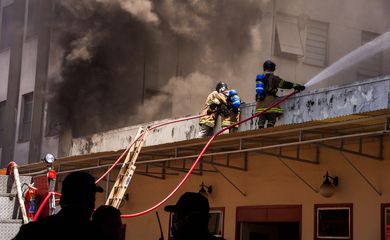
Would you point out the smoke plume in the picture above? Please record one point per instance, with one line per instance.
(131, 61)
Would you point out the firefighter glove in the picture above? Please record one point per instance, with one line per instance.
(299, 88)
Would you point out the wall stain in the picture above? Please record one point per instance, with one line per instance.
(309, 105)
(190, 132)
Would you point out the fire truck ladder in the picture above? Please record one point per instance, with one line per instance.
(127, 170)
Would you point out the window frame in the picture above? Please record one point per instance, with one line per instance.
(377, 59)
(341, 206)
(384, 207)
(293, 47)
(326, 57)
(6, 44)
(27, 98)
(32, 25)
(214, 210)
(2, 121)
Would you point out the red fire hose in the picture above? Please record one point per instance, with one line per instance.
(200, 157)
(190, 170)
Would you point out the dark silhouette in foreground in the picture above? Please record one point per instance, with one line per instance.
(191, 217)
(73, 220)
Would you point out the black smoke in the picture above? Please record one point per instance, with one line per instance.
(117, 58)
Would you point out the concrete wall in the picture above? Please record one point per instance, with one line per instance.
(361, 97)
(347, 20)
(27, 82)
(269, 182)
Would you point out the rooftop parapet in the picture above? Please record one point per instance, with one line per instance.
(328, 103)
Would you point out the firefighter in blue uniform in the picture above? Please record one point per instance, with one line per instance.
(267, 85)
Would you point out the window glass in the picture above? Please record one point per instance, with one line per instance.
(2, 122)
(333, 221)
(6, 27)
(32, 18)
(26, 117)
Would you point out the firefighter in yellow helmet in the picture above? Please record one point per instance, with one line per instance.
(267, 85)
(214, 101)
(223, 102)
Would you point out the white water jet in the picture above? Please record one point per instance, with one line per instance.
(359, 54)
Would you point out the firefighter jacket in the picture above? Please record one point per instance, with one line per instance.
(212, 107)
(267, 86)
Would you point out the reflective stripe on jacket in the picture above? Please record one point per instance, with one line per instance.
(271, 84)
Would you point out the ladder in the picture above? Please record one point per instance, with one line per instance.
(13, 167)
(127, 170)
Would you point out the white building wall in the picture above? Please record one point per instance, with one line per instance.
(27, 83)
(347, 19)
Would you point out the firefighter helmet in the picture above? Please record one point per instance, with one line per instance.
(269, 66)
(221, 86)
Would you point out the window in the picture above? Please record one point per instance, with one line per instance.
(385, 215)
(287, 39)
(269, 222)
(333, 221)
(370, 67)
(216, 222)
(32, 18)
(316, 45)
(2, 122)
(6, 27)
(26, 117)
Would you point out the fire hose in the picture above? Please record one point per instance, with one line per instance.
(190, 170)
(201, 154)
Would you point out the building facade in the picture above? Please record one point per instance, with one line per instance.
(259, 191)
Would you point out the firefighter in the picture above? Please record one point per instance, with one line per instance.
(215, 100)
(230, 113)
(267, 85)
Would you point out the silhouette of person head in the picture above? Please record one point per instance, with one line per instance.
(78, 191)
(190, 217)
(73, 220)
(107, 221)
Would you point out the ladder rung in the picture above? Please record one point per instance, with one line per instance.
(127, 170)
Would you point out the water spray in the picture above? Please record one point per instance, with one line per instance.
(369, 49)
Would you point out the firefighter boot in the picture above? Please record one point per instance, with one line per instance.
(205, 131)
(271, 120)
(233, 130)
(261, 121)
